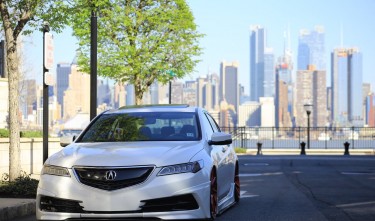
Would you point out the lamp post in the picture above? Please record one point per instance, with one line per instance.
(46, 30)
(308, 109)
(93, 63)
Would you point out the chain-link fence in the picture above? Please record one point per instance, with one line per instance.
(291, 137)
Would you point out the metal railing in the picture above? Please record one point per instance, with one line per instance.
(291, 137)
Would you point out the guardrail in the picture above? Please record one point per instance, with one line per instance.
(291, 137)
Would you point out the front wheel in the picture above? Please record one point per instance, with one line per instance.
(213, 195)
(237, 187)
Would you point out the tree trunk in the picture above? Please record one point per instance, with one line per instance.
(14, 124)
(138, 95)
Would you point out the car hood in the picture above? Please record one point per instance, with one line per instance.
(125, 154)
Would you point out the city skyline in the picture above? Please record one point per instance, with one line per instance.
(230, 39)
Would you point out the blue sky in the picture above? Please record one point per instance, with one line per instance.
(226, 25)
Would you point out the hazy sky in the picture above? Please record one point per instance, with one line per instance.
(226, 24)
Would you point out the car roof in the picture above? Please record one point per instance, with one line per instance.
(154, 108)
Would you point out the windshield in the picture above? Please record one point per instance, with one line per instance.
(149, 126)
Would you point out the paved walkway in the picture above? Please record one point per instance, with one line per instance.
(11, 208)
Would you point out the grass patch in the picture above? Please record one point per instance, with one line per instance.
(240, 150)
(23, 187)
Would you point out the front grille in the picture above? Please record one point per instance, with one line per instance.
(52, 204)
(112, 178)
(167, 204)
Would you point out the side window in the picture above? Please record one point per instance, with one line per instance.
(212, 122)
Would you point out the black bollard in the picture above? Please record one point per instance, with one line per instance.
(259, 148)
(346, 145)
(303, 145)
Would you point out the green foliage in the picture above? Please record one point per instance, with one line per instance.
(22, 187)
(27, 16)
(240, 150)
(31, 134)
(139, 41)
(4, 133)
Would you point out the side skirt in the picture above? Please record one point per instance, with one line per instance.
(227, 201)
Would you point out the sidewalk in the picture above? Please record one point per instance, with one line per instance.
(11, 208)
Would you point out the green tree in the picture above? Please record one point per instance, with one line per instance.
(139, 41)
(23, 16)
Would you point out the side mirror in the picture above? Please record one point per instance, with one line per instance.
(220, 138)
(65, 141)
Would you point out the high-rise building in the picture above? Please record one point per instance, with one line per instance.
(257, 48)
(284, 90)
(208, 92)
(189, 94)
(62, 82)
(119, 95)
(177, 90)
(214, 80)
(76, 97)
(28, 97)
(370, 110)
(366, 90)
(130, 94)
(104, 93)
(229, 83)
(283, 116)
(249, 114)
(267, 111)
(201, 95)
(269, 73)
(229, 90)
(346, 87)
(311, 88)
(311, 49)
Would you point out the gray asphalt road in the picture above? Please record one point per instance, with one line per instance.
(303, 188)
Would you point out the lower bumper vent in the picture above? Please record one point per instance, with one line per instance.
(167, 204)
(52, 204)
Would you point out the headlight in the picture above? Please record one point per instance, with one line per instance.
(55, 170)
(192, 167)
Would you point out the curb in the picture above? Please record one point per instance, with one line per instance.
(18, 210)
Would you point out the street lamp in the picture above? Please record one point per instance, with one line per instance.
(46, 30)
(308, 109)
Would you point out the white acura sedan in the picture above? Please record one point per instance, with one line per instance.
(159, 162)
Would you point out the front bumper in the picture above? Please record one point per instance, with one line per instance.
(130, 202)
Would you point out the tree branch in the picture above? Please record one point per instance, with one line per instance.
(21, 23)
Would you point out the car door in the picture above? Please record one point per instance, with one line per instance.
(221, 153)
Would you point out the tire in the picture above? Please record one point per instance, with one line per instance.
(213, 195)
(237, 184)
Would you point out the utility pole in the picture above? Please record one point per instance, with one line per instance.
(47, 64)
(93, 64)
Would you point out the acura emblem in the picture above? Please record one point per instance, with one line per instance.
(110, 175)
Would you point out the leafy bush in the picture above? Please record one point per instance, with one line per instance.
(23, 187)
(4, 133)
(31, 134)
(240, 150)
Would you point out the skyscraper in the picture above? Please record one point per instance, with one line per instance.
(311, 88)
(370, 110)
(257, 47)
(269, 73)
(346, 84)
(62, 82)
(284, 90)
(311, 49)
(229, 83)
(189, 93)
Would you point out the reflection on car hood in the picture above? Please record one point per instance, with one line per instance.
(125, 154)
